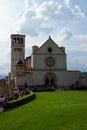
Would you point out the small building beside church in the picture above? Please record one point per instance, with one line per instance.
(47, 64)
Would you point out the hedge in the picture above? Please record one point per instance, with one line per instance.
(20, 101)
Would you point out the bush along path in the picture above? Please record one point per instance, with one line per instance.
(17, 102)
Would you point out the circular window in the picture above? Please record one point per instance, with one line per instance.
(50, 61)
(49, 49)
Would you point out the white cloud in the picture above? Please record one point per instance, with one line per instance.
(5, 57)
(77, 52)
(67, 3)
(48, 10)
(64, 35)
(37, 17)
(4, 69)
(5, 52)
(77, 12)
(8, 11)
(77, 43)
(82, 38)
(43, 17)
(81, 44)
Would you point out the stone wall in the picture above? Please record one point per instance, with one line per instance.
(3, 87)
(62, 78)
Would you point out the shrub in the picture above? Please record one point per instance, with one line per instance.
(20, 101)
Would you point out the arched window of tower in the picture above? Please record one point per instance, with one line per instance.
(17, 41)
(14, 40)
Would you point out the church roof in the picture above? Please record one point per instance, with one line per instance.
(50, 44)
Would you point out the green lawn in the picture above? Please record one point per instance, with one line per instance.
(61, 110)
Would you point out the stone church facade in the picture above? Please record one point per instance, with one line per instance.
(47, 64)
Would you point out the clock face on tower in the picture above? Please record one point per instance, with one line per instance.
(50, 61)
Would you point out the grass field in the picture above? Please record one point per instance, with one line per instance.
(61, 110)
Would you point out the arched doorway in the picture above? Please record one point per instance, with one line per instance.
(50, 79)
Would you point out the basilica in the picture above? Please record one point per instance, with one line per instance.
(47, 65)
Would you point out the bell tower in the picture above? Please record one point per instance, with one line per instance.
(17, 50)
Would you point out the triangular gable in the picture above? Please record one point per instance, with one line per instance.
(50, 43)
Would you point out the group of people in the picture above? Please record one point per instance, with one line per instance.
(43, 87)
(20, 91)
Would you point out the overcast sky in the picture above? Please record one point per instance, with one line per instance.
(64, 20)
